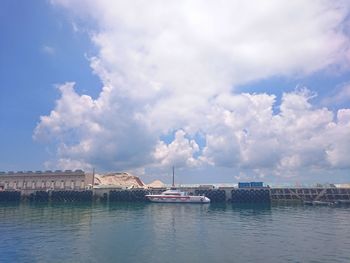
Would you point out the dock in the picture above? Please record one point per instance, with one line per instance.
(76, 186)
(226, 194)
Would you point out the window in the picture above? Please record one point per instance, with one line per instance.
(72, 184)
(82, 184)
(52, 184)
(62, 184)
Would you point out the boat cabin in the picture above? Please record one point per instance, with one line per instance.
(173, 192)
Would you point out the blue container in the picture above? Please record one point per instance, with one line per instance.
(256, 184)
(243, 185)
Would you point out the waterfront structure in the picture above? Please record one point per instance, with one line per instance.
(43, 180)
(77, 185)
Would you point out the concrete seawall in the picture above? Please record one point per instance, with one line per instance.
(221, 194)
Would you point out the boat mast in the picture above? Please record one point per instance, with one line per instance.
(93, 177)
(173, 185)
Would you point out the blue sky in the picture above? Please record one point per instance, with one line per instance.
(225, 92)
(29, 74)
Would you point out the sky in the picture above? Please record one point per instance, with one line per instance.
(225, 91)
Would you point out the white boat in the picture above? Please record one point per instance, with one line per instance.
(174, 195)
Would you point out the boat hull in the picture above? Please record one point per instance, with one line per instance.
(178, 199)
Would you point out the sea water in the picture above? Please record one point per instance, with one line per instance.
(149, 232)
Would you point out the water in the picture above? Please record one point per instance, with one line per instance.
(173, 233)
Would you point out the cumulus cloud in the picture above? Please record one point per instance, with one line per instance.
(250, 135)
(172, 69)
(204, 47)
(103, 132)
(241, 131)
(338, 150)
(180, 152)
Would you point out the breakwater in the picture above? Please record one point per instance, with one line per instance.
(224, 194)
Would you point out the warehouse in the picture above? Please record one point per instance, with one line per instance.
(42, 180)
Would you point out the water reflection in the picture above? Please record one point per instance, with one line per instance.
(125, 206)
(149, 232)
(252, 206)
(218, 206)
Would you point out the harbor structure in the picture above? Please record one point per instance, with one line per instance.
(42, 180)
(77, 185)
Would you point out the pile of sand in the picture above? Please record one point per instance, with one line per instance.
(342, 185)
(156, 184)
(118, 180)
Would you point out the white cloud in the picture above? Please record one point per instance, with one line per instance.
(67, 164)
(338, 151)
(172, 68)
(203, 47)
(102, 132)
(240, 131)
(180, 152)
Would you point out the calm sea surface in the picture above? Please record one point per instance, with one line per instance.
(173, 233)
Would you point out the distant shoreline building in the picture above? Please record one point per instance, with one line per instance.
(43, 180)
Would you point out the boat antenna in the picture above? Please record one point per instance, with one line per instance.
(173, 177)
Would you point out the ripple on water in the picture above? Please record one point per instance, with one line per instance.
(173, 232)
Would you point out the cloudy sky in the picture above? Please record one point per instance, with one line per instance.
(225, 91)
